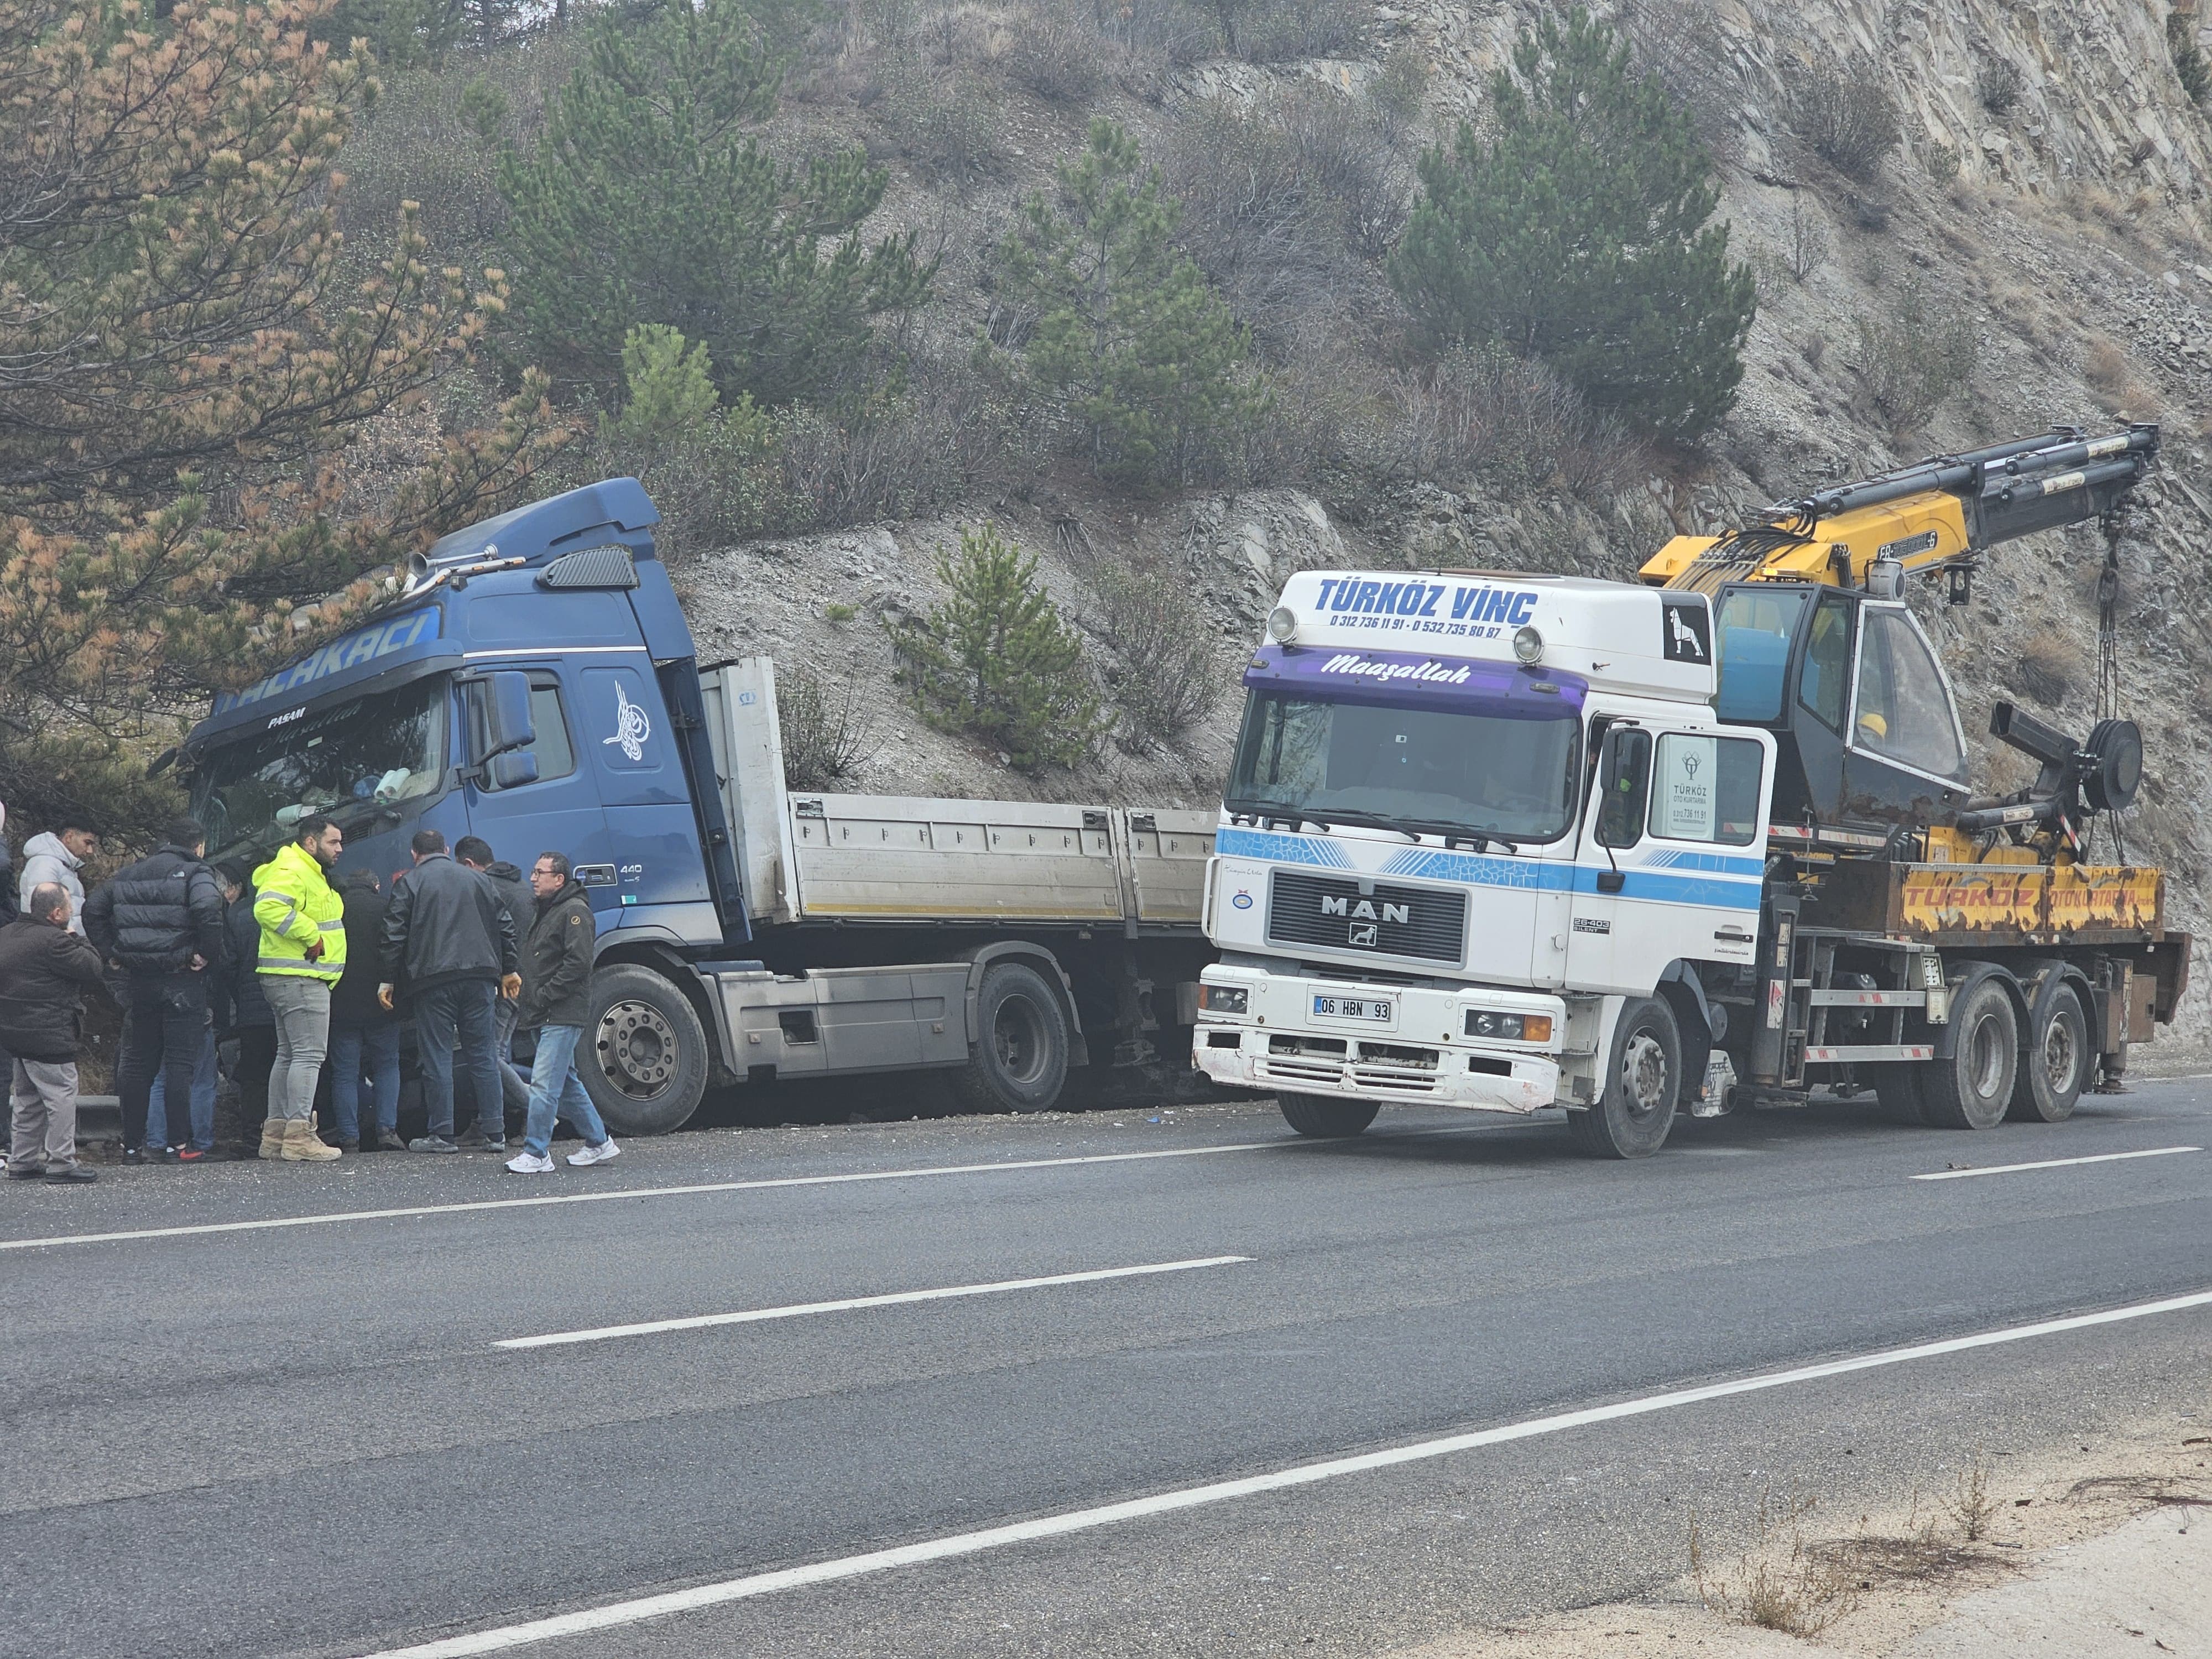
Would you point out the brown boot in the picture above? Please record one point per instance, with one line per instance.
(303, 1145)
(272, 1138)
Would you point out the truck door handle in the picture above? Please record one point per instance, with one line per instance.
(1729, 936)
(594, 875)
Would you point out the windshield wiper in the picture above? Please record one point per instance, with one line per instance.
(1271, 811)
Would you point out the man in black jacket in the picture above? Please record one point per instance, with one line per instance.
(44, 971)
(161, 921)
(556, 971)
(447, 932)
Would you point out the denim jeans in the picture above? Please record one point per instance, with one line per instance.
(514, 1087)
(364, 1051)
(164, 1032)
(555, 1089)
(462, 1010)
(201, 1108)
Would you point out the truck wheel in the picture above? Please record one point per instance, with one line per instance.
(1972, 1089)
(1326, 1119)
(643, 1057)
(1019, 1061)
(1641, 1086)
(2054, 1061)
(1897, 1086)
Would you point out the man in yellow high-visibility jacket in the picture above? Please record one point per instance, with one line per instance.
(302, 953)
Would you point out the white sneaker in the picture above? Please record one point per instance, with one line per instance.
(529, 1163)
(591, 1155)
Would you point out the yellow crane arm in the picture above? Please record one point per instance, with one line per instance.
(1944, 511)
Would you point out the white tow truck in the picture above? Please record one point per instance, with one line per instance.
(1440, 877)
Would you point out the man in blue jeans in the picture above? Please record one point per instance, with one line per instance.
(556, 968)
(447, 933)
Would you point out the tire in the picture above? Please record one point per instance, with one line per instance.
(1642, 1086)
(1018, 1062)
(1324, 1118)
(2054, 1058)
(643, 1056)
(1897, 1086)
(1972, 1089)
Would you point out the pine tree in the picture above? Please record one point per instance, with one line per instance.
(670, 385)
(1577, 233)
(998, 660)
(182, 361)
(648, 199)
(1128, 331)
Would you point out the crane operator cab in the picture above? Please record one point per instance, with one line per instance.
(1856, 683)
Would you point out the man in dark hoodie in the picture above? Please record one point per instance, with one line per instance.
(447, 934)
(44, 970)
(364, 1034)
(161, 921)
(521, 907)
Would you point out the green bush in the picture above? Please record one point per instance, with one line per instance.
(648, 198)
(1126, 331)
(669, 386)
(997, 660)
(1578, 235)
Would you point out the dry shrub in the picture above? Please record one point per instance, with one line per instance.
(1805, 246)
(1972, 1505)
(1349, 150)
(1484, 413)
(1174, 30)
(2046, 667)
(947, 121)
(1841, 108)
(1681, 42)
(1781, 1582)
(1055, 54)
(1916, 355)
(826, 736)
(1998, 84)
(1274, 31)
(2110, 372)
(945, 434)
(1163, 677)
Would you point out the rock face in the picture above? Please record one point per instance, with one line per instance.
(2059, 247)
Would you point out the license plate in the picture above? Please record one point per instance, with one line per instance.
(1380, 1009)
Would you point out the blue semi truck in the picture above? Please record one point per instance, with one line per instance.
(532, 680)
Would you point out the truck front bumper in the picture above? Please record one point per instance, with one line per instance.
(1421, 1054)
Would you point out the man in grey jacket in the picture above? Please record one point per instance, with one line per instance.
(448, 935)
(58, 856)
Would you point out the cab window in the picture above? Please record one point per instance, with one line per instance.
(1824, 683)
(1904, 713)
(1706, 789)
(556, 757)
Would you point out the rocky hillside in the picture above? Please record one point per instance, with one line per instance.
(2036, 247)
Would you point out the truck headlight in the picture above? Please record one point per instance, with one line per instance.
(1509, 1028)
(1224, 999)
(1282, 624)
(1529, 646)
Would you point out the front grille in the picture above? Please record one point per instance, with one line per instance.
(1428, 923)
(1301, 1071)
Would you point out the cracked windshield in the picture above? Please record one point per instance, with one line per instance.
(371, 752)
(1491, 774)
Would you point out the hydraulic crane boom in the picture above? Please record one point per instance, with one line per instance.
(1939, 513)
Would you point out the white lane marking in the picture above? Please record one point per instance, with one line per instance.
(643, 1608)
(636, 1192)
(752, 1316)
(2054, 1164)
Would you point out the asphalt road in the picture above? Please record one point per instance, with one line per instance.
(304, 1439)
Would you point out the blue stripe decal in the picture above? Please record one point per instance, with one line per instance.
(1283, 850)
(1718, 863)
(1735, 888)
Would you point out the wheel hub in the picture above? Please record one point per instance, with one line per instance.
(1017, 1040)
(1643, 1075)
(2060, 1057)
(637, 1049)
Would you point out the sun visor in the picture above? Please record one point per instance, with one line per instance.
(1398, 680)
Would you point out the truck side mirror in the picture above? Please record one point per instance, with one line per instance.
(508, 724)
(1624, 782)
(511, 771)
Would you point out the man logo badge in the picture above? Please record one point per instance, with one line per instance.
(1362, 933)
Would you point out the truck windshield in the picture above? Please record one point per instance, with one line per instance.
(371, 752)
(1512, 777)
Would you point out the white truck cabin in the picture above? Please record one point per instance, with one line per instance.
(1473, 817)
